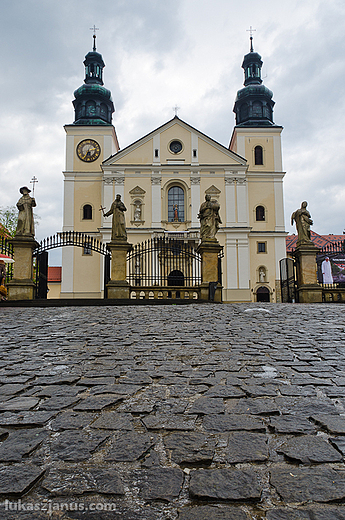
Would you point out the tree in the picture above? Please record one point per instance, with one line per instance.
(9, 219)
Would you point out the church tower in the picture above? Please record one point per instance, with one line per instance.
(89, 141)
(257, 138)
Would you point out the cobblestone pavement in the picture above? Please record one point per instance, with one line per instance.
(217, 412)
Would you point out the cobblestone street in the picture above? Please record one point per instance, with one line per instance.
(217, 412)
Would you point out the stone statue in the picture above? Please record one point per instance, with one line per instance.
(137, 212)
(25, 225)
(303, 221)
(262, 274)
(209, 218)
(117, 210)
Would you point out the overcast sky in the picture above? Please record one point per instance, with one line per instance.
(158, 54)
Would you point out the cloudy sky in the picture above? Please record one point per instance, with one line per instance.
(158, 54)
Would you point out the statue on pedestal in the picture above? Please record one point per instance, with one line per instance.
(117, 210)
(303, 222)
(25, 225)
(209, 218)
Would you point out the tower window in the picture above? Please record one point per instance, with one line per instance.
(258, 155)
(257, 109)
(260, 213)
(176, 204)
(261, 247)
(156, 152)
(87, 212)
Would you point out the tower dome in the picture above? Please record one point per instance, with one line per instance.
(254, 103)
(93, 104)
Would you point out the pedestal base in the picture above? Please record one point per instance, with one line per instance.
(118, 290)
(118, 287)
(209, 251)
(310, 293)
(21, 289)
(305, 256)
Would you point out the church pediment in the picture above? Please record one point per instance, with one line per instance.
(137, 191)
(175, 142)
(212, 190)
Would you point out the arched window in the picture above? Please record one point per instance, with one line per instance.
(90, 108)
(258, 155)
(176, 204)
(87, 212)
(244, 112)
(260, 213)
(257, 109)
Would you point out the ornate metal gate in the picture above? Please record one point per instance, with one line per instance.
(7, 249)
(67, 238)
(164, 268)
(288, 280)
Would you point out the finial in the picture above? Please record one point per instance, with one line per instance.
(176, 109)
(94, 29)
(251, 30)
(33, 182)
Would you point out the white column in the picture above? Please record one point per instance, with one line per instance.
(231, 263)
(243, 263)
(242, 202)
(195, 143)
(156, 200)
(230, 201)
(107, 199)
(68, 225)
(119, 179)
(279, 204)
(156, 142)
(195, 199)
(277, 147)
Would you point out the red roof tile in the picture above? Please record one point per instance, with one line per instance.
(319, 240)
(54, 274)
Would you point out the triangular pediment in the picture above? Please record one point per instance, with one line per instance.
(212, 190)
(156, 148)
(137, 191)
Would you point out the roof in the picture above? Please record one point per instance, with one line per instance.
(175, 119)
(319, 240)
(54, 274)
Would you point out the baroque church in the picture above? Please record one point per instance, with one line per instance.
(163, 178)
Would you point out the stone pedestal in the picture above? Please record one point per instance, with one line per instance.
(118, 287)
(308, 289)
(22, 286)
(209, 250)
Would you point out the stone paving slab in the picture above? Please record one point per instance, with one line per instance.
(232, 412)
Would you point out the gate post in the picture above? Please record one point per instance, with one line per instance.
(22, 286)
(118, 287)
(209, 251)
(308, 289)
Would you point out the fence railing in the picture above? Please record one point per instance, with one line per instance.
(7, 249)
(72, 238)
(163, 262)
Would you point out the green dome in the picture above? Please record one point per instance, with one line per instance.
(92, 90)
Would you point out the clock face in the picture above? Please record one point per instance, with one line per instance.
(88, 150)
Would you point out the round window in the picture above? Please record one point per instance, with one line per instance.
(175, 146)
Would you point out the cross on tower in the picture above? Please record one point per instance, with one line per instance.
(176, 109)
(251, 30)
(94, 29)
(33, 182)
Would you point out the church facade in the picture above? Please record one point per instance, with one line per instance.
(163, 178)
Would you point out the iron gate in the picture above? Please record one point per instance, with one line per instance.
(288, 284)
(66, 238)
(165, 262)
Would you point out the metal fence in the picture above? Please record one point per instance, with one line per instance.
(7, 249)
(164, 262)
